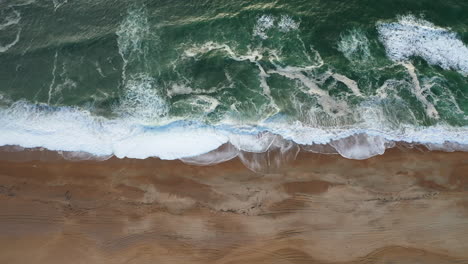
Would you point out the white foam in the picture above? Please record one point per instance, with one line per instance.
(132, 32)
(66, 129)
(142, 100)
(71, 129)
(174, 143)
(183, 88)
(287, 24)
(178, 89)
(355, 46)
(264, 23)
(411, 36)
(77, 130)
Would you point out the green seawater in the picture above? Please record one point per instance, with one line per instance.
(319, 63)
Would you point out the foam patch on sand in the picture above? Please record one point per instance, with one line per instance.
(411, 36)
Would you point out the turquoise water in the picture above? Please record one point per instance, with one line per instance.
(175, 79)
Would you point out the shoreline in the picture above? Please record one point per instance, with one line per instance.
(404, 206)
(274, 159)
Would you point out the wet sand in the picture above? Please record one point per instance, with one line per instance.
(407, 206)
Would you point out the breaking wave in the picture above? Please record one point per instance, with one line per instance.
(76, 130)
(412, 36)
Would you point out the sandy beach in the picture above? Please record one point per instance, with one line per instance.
(407, 206)
(233, 132)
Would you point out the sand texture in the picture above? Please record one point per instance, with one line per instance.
(405, 207)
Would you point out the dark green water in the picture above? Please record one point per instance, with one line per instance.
(91, 75)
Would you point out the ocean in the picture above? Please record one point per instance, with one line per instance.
(207, 81)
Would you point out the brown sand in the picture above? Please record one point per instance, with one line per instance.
(402, 207)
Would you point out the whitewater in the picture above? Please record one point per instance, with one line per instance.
(141, 126)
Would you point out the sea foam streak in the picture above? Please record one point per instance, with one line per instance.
(10, 18)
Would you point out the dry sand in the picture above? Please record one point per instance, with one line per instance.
(406, 206)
